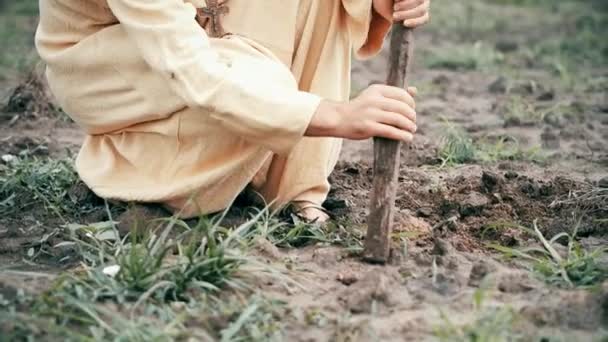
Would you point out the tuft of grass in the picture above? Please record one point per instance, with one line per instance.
(151, 284)
(18, 21)
(29, 182)
(489, 324)
(506, 148)
(457, 147)
(163, 263)
(300, 233)
(464, 57)
(257, 319)
(518, 111)
(576, 267)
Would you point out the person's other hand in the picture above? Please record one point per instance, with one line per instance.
(379, 111)
(412, 13)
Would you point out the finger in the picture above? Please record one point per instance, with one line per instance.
(398, 94)
(406, 5)
(399, 121)
(412, 91)
(415, 13)
(398, 107)
(390, 132)
(412, 23)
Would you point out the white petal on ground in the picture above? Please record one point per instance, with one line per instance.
(8, 158)
(111, 271)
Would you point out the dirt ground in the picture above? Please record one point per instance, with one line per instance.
(544, 137)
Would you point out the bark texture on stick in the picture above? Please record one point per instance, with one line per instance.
(386, 158)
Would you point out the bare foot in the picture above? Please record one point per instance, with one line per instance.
(311, 212)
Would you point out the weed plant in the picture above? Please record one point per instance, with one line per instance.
(299, 233)
(29, 181)
(576, 267)
(127, 288)
(457, 147)
(489, 323)
(464, 57)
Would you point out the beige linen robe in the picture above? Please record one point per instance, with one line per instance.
(178, 118)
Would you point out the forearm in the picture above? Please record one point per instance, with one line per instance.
(253, 96)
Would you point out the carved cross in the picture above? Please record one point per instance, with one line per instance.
(212, 13)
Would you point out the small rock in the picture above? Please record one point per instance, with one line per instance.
(479, 271)
(445, 284)
(489, 181)
(530, 188)
(515, 282)
(409, 223)
(424, 212)
(603, 182)
(511, 175)
(443, 247)
(548, 95)
(499, 86)
(374, 287)
(267, 249)
(347, 278)
(473, 204)
(327, 256)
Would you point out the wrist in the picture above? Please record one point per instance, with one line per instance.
(326, 120)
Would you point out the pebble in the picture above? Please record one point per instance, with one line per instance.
(8, 158)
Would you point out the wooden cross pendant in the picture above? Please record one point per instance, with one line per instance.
(212, 13)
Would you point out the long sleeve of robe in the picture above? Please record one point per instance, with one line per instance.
(173, 114)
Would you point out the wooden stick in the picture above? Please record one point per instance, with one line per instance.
(386, 158)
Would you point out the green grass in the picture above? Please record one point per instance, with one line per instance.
(18, 20)
(576, 267)
(75, 318)
(518, 111)
(30, 182)
(564, 38)
(488, 323)
(299, 233)
(476, 56)
(128, 289)
(164, 277)
(457, 147)
(168, 262)
(506, 148)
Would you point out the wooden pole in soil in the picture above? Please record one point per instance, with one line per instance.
(386, 158)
